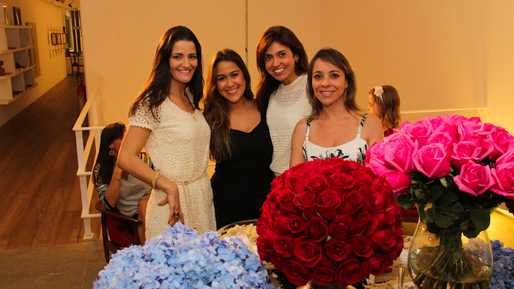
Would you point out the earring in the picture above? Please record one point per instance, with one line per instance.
(111, 153)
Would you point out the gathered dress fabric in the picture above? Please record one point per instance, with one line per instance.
(179, 147)
(354, 150)
(287, 106)
(241, 183)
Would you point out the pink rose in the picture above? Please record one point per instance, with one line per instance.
(443, 138)
(474, 179)
(485, 145)
(504, 176)
(376, 152)
(433, 161)
(463, 152)
(508, 157)
(399, 155)
(449, 128)
(419, 131)
(399, 181)
(502, 141)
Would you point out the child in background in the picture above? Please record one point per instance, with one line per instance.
(384, 102)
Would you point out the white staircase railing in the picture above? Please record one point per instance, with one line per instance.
(84, 152)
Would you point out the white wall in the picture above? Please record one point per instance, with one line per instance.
(53, 69)
(442, 56)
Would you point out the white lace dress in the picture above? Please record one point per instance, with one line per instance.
(287, 106)
(179, 148)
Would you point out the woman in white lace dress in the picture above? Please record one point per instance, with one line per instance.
(282, 62)
(164, 119)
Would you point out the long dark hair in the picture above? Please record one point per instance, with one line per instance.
(158, 85)
(389, 105)
(268, 83)
(216, 107)
(336, 58)
(110, 133)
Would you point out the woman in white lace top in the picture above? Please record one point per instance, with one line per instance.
(336, 127)
(282, 62)
(165, 120)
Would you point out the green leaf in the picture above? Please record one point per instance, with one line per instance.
(443, 220)
(436, 192)
(481, 218)
(443, 182)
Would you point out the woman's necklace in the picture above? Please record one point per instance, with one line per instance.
(192, 114)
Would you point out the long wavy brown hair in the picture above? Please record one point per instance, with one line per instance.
(389, 105)
(158, 85)
(216, 107)
(268, 83)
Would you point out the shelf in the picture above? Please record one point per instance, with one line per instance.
(16, 50)
(17, 96)
(18, 72)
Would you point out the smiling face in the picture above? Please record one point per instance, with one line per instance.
(183, 61)
(328, 82)
(230, 81)
(280, 63)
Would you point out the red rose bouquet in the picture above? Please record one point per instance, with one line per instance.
(330, 222)
(456, 170)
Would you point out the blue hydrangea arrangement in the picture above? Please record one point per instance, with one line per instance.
(180, 258)
(503, 266)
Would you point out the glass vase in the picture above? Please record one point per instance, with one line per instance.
(446, 258)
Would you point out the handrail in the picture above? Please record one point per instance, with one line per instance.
(84, 152)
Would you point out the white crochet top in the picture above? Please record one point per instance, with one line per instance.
(287, 105)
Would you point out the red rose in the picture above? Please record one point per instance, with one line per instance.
(380, 264)
(316, 183)
(346, 167)
(307, 251)
(385, 219)
(383, 240)
(352, 202)
(278, 222)
(277, 261)
(295, 180)
(361, 246)
(306, 202)
(361, 178)
(361, 223)
(352, 271)
(296, 272)
(340, 227)
(317, 229)
(268, 207)
(296, 225)
(285, 200)
(324, 273)
(381, 189)
(328, 204)
(341, 181)
(284, 246)
(337, 250)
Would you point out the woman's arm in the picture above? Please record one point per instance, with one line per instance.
(373, 130)
(128, 160)
(297, 143)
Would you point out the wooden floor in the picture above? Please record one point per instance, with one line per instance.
(39, 191)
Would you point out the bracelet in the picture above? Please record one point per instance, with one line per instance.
(118, 179)
(155, 178)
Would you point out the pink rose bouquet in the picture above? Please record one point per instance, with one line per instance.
(456, 171)
(330, 222)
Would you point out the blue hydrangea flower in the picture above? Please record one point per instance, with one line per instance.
(180, 258)
(503, 266)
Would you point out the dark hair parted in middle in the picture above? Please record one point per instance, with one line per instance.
(158, 85)
(335, 58)
(216, 107)
(268, 83)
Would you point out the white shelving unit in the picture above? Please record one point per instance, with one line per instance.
(15, 43)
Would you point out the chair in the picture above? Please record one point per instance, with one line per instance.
(75, 62)
(118, 231)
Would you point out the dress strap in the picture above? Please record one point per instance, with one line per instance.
(361, 125)
(187, 196)
(307, 129)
